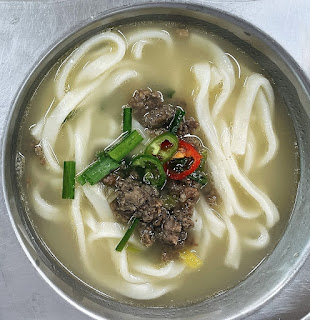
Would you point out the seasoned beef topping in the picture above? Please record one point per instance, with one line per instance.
(158, 117)
(134, 196)
(187, 127)
(110, 179)
(149, 109)
(195, 142)
(167, 227)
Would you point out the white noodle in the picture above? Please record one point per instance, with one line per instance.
(233, 255)
(254, 84)
(44, 209)
(139, 39)
(95, 68)
(250, 153)
(171, 270)
(99, 202)
(261, 241)
(225, 71)
(216, 225)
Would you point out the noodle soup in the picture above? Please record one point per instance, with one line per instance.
(251, 160)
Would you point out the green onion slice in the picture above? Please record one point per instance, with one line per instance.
(120, 150)
(127, 235)
(68, 185)
(127, 119)
(97, 170)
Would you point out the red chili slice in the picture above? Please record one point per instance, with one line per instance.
(185, 150)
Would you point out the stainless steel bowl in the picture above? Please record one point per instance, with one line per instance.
(292, 249)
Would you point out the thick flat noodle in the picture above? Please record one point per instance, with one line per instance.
(233, 255)
(81, 141)
(224, 167)
(73, 98)
(110, 230)
(44, 209)
(249, 157)
(171, 270)
(268, 207)
(50, 156)
(145, 291)
(94, 68)
(99, 202)
(36, 130)
(79, 225)
(216, 225)
(251, 92)
(266, 119)
(224, 71)
(146, 37)
(261, 241)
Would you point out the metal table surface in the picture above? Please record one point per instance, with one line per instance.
(28, 29)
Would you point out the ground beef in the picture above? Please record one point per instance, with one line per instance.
(147, 235)
(110, 179)
(196, 143)
(39, 152)
(187, 127)
(149, 109)
(171, 231)
(158, 224)
(133, 196)
(155, 132)
(158, 117)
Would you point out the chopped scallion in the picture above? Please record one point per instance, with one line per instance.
(199, 176)
(168, 93)
(109, 160)
(178, 117)
(127, 235)
(98, 170)
(127, 119)
(130, 141)
(68, 180)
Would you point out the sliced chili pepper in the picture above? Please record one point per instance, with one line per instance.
(154, 172)
(189, 155)
(163, 146)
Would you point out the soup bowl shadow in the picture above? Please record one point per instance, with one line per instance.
(291, 250)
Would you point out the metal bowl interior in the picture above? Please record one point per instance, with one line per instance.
(293, 247)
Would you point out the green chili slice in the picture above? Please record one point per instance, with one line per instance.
(154, 172)
(127, 235)
(163, 146)
(127, 119)
(68, 180)
(178, 117)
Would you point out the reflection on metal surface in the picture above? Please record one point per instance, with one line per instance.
(29, 28)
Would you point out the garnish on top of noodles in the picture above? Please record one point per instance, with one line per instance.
(157, 189)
